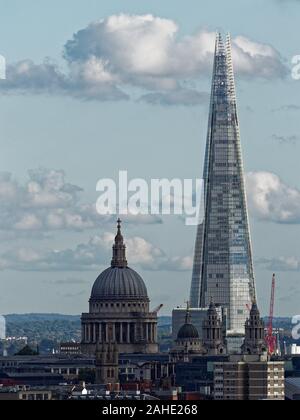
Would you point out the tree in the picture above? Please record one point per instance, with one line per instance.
(27, 351)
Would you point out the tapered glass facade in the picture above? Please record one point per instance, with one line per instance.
(223, 269)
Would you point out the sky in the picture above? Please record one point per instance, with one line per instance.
(97, 87)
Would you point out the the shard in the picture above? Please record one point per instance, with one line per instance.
(223, 269)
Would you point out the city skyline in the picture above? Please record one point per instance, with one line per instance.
(123, 99)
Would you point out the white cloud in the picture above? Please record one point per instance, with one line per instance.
(260, 60)
(271, 199)
(89, 256)
(147, 51)
(187, 97)
(280, 263)
(143, 51)
(291, 139)
(46, 202)
(89, 81)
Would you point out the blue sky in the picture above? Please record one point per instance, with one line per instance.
(51, 119)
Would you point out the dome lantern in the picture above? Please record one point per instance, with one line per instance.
(119, 249)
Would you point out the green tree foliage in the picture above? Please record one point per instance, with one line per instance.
(27, 351)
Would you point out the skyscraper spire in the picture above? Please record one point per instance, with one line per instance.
(223, 259)
(119, 249)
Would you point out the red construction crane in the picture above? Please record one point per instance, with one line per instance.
(270, 338)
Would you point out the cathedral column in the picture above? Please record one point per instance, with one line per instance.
(128, 332)
(94, 333)
(82, 333)
(89, 333)
(121, 332)
(100, 332)
(106, 332)
(147, 333)
(114, 332)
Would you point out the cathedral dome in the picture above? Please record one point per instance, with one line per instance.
(119, 284)
(187, 331)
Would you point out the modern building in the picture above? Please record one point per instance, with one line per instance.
(119, 309)
(294, 349)
(25, 393)
(39, 369)
(197, 375)
(223, 267)
(34, 379)
(292, 389)
(2, 328)
(249, 378)
(70, 348)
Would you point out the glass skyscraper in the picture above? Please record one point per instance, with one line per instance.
(223, 269)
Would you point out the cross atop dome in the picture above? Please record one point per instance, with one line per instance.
(119, 222)
(119, 249)
(119, 238)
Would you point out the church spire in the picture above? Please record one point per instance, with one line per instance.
(119, 249)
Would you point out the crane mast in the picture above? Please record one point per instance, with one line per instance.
(270, 338)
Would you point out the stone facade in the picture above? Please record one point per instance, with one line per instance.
(255, 342)
(212, 334)
(107, 363)
(131, 326)
(119, 309)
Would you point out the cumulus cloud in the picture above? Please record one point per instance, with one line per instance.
(293, 139)
(187, 97)
(280, 263)
(289, 107)
(91, 255)
(141, 51)
(88, 81)
(271, 199)
(47, 202)
(257, 59)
